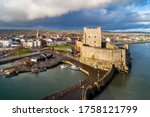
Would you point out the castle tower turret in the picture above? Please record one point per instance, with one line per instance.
(92, 37)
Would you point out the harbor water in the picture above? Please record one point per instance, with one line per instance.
(30, 86)
(136, 84)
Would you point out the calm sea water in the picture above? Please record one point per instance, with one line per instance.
(136, 84)
(36, 86)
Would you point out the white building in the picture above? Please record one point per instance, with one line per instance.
(29, 44)
(5, 43)
(35, 44)
(22, 41)
(32, 43)
(39, 43)
(49, 42)
(108, 40)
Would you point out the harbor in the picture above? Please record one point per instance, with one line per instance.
(31, 86)
(95, 77)
(26, 65)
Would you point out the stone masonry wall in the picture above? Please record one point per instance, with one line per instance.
(104, 58)
(92, 37)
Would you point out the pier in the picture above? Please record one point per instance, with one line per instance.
(138, 42)
(96, 80)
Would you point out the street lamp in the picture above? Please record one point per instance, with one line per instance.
(82, 92)
(98, 75)
(80, 82)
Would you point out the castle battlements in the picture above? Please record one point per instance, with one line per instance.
(92, 37)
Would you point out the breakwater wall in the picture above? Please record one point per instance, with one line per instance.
(93, 89)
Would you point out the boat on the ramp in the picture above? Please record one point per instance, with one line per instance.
(63, 66)
(73, 67)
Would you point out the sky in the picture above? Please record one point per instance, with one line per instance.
(110, 15)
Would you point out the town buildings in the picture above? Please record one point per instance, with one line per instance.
(55, 42)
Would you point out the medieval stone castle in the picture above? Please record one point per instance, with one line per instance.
(102, 55)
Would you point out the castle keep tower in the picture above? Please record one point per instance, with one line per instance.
(92, 37)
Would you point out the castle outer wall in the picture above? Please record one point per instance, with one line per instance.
(105, 58)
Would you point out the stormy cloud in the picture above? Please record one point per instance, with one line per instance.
(74, 14)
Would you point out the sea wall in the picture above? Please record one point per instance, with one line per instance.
(98, 86)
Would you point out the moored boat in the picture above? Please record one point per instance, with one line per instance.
(73, 67)
(10, 74)
(42, 69)
(63, 66)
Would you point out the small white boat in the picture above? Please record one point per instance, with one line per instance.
(73, 67)
(63, 66)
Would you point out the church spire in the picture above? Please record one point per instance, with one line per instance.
(37, 34)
